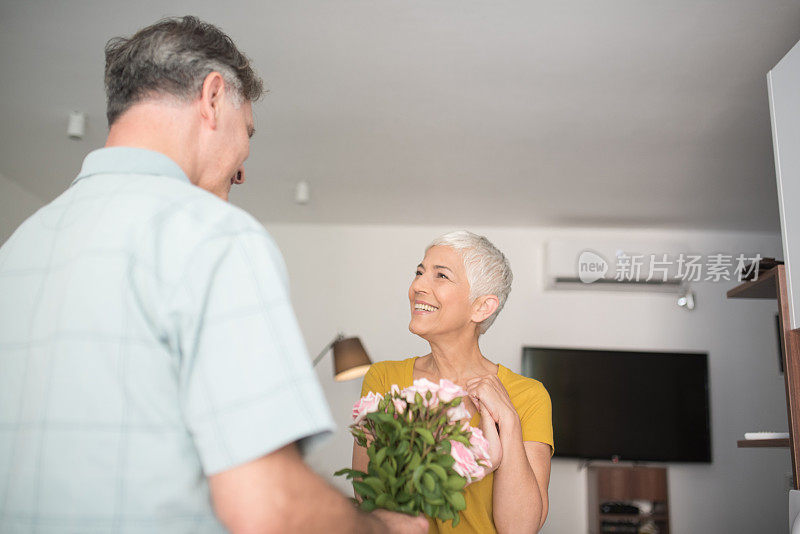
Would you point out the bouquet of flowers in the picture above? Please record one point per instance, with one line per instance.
(422, 450)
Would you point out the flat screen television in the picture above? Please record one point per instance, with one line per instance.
(632, 406)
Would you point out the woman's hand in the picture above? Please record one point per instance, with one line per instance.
(498, 415)
(490, 392)
(491, 434)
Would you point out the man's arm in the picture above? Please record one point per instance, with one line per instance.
(280, 493)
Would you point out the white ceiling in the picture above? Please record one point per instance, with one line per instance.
(455, 112)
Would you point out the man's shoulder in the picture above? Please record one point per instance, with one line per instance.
(205, 211)
(185, 216)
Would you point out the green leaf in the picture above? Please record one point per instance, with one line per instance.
(435, 501)
(381, 456)
(384, 500)
(426, 507)
(462, 439)
(378, 470)
(395, 484)
(456, 498)
(368, 505)
(380, 417)
(439, 471)
(455, 483)
(351, 473)
(364, 490)
(426, 435)
(375, 483)
(415, 461)
(416, 476)
(402, 448)
(446, 461)
(428, 482)
(391, 464)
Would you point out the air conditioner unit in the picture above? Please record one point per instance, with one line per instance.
(609, 264)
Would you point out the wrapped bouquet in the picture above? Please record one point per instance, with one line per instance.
(422, 450)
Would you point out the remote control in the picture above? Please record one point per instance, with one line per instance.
(766, 435)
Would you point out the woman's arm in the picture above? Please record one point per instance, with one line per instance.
(519, 494)
(360, 461)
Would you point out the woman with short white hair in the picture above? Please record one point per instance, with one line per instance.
(459, 288)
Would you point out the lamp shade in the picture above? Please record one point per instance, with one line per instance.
(350, 360)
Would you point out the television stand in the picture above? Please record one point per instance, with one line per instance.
(615, 483)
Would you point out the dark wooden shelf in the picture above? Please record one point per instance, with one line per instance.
(763, 288)
(620, 483)
(756, 443)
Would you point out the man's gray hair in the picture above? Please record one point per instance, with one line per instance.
(172, 58)
(488, 270)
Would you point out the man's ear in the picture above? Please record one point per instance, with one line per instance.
(211, 95)
(484, 307)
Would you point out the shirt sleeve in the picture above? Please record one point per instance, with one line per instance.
(536, 418)
(247, 386)
(373, 381)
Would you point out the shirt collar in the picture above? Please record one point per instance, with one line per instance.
(129, 160)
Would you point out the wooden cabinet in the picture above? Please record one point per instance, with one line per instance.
(620, 483)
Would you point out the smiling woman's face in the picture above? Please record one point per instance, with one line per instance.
(439, 294)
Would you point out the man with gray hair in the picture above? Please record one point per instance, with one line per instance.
(154, 378)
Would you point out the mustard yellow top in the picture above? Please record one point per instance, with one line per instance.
(532, 403)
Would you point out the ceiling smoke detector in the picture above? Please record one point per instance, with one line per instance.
(302, 193)
(76, 126)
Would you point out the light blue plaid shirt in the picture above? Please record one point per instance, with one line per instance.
(146, 339)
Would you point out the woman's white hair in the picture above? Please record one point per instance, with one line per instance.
(488, 270)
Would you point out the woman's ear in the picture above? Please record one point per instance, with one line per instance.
(484, 307)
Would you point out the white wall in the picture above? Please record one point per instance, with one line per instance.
(16, 205)
(355, 279)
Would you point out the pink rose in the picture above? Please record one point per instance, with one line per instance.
(366, 405)
(409, 393)
(423, 386)
(395, 390)
(449, 391)
(399, 405)
(458, 413)
(465, 464)
(480, 446)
